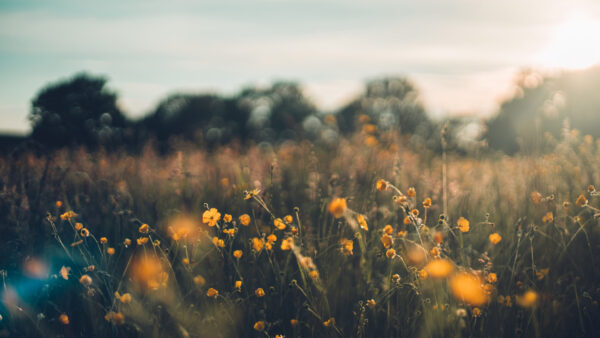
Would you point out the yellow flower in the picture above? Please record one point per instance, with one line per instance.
(116, 318)
(314, 274)
(415, 212)
(548, 217)
(337, 207)
(536, 197)
(396, 277)
(467, 287)
(294, 230)
(199, 280)
(329, 322)
(260, 325)
(427, 203)
(78, 226)
(293, 322)
(110, 251)
(381, 185)
(439, 268)
(438, 237)
(211, 217)
(495, 238)
(271, 238)
(257, 244)
(362, 221)
(388, 229)
(542, 273)
(85, 280)
(371, 141)
(581, 200)
(287, 244)
(59, 204)
(402, 233)
(288, 219)
(435, 252)
(400, 199)
(84, 232)
(371, 303)
(127, 242)
(142, 240)
(347, 246)
(423, 274)
(406, 220)
(250, 194)
(221, 243)
(237, 254)
(259, 292)
(144, 228)
(245, 219)
(229, 232)
(386, 240)
(212, 293)
(64, 272)
(63, 318)
(390, 253)
(238, 284)
(528, 299)
(476, 312)
(411, 192)
(492, 277)
(463, 224)
(227, 218)
(103, 240)
(125, 298)
(185, 261)
(279, 224)
(67, 216)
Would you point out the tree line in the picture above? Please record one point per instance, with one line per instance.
(83, 111)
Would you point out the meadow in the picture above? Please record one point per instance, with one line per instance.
(371, 237)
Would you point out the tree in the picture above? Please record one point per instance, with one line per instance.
(390, 102)
(276, 112)
(77, 111)
(204, 118)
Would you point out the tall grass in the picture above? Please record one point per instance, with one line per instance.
(320, 275)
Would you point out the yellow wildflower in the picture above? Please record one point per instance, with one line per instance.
(390, 253)
(495, 238)
(427, 203)
(260, 325)
(103, 240)
(411, 192)
(288, 219)
(144, 228)
(337, 207)
(245, 219)
(381, 185)
(386, 240)
(212, 293)
(211, 217)
(347, 246)
(467, 287)
(463, 224)
(227, 218)
(362, 222)
(279, 224)
(259, 292)
(63, 318)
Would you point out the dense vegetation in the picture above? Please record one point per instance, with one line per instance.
(371, 236)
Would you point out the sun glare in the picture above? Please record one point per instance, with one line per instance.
(575, 45)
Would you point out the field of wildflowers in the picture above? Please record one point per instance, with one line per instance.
(367, 238)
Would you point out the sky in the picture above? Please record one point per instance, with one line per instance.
(462, 55)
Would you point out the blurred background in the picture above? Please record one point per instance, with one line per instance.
(506, 76)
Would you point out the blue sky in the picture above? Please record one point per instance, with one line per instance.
(461, 54)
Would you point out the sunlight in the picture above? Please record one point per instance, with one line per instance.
(575, 45)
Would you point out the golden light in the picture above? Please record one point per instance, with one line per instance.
(575, 45)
